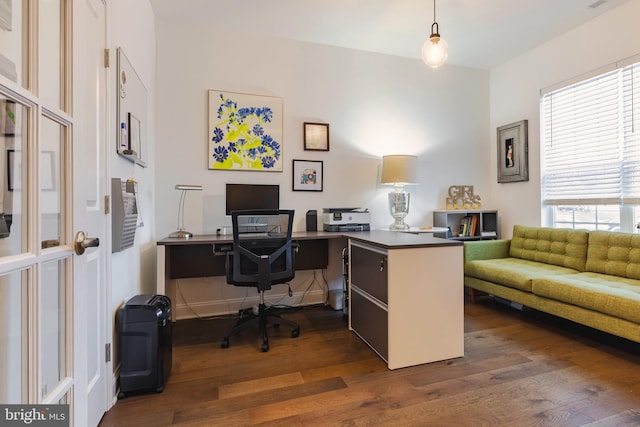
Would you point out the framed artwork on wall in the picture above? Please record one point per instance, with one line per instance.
(245, 132)
(307, 175)
(513, 152)
(316, 136)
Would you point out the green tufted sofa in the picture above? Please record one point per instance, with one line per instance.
(589, 277)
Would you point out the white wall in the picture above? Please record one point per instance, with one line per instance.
(515, 91)
(132, 28)
(375, 105)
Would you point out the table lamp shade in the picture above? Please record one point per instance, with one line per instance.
(398, 169)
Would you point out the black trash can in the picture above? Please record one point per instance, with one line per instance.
(145, 344)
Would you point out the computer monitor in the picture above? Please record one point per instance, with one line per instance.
(252, 196)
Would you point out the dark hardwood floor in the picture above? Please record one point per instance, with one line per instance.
(519, 369)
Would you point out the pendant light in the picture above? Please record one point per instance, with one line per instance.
(435, 50)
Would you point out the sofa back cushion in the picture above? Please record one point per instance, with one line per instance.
(616, 254)
(556, 246)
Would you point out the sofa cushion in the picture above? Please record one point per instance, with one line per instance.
(557, 246)
(512, 272)
(612, 295)
(615, 254)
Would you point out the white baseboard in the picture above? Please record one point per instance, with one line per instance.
(231, 306)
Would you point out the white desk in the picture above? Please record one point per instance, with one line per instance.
(195, 257)
(420, 319)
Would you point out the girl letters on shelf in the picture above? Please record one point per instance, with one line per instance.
(462, 197)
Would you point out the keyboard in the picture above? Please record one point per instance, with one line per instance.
(252, 234)
(263, 234)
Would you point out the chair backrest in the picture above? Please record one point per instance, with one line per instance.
(263, 253)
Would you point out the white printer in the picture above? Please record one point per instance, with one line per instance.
(346, 219)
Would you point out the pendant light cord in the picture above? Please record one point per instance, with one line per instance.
(434, 10)
(434, 27)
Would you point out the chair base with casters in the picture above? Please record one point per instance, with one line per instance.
(262, 319)
(262, 255)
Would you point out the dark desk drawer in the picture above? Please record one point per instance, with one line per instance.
(370, 322)
(369, 271)
(312, 254)
(187, 261)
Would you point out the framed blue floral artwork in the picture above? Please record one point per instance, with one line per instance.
(245, 132)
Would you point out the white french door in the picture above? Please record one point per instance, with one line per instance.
(53, 304)
(89, 189)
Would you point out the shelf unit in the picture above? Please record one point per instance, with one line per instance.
(487, 226)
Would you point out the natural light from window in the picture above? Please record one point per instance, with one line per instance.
(591, 150)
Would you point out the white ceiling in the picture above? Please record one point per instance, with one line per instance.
(480, 33)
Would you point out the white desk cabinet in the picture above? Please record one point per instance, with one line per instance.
(406, 296)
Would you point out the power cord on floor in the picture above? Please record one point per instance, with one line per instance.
(314, 280)
(324, 285)
(198, 315)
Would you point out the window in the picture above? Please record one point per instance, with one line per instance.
(591, 150)
(587, 217)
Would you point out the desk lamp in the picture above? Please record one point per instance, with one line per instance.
(399, 170)
(181, 233)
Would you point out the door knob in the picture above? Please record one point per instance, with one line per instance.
(83, 242)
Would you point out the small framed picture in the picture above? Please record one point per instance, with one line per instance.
(135, 146)
(307, 175)
(513, 152)
(316, 136)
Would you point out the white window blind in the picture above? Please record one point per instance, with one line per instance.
(591, 151)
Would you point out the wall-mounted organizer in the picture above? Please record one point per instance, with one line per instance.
(124, 214)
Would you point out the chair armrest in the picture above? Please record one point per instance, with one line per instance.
(486, 249)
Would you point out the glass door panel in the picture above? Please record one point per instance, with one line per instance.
(53, 325)
(50, 20)
(52, 189)
(13, 177)
(13, 61)
(13, 337)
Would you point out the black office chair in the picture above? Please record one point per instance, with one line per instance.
(262, 255)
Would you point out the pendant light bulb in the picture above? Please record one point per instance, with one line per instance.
(435, 50)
